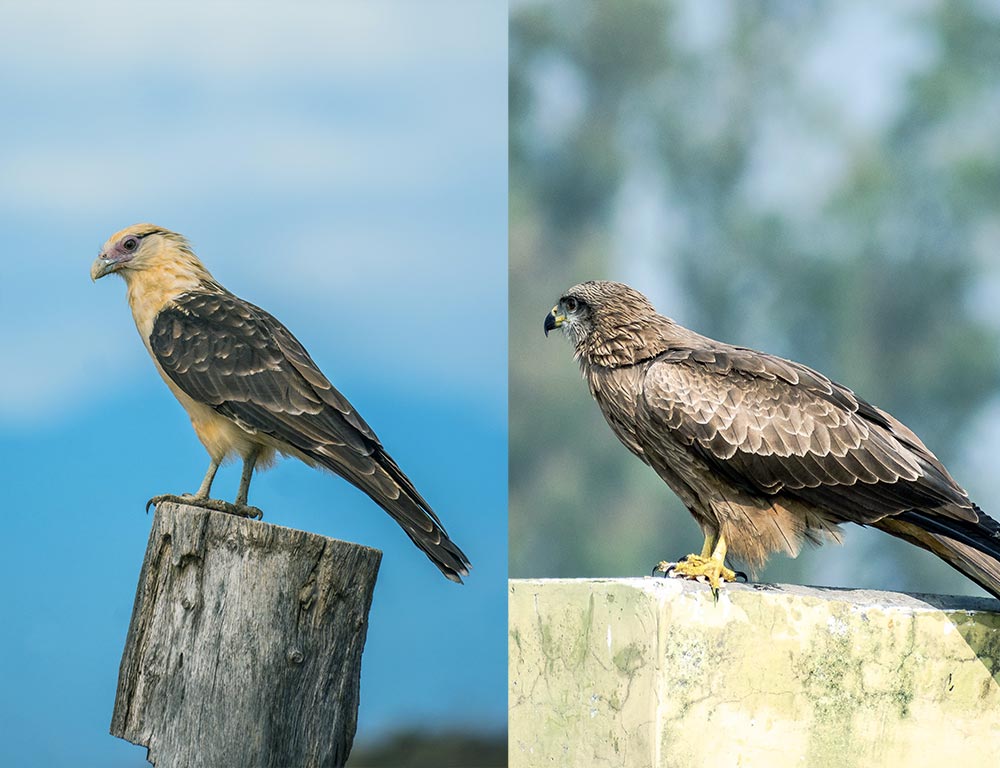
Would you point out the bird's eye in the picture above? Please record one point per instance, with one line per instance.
(130, 244)
(570, 303)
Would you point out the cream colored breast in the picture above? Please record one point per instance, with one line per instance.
(149, 292)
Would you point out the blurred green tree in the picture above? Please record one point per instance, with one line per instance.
(818, 180)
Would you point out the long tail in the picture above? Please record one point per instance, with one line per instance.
(970, 547)
(392, 490)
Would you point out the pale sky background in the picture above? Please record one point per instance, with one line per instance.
(344, 166)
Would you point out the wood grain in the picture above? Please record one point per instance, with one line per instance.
(245, 644)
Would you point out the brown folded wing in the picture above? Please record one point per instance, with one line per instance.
(238, 359)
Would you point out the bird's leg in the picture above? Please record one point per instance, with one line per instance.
(199, 498)
(249, 462)
(710, 540)
(205, 489)
(710, 565)
(240, 508)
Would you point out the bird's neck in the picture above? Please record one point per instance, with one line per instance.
(151, 289)
(623, 343)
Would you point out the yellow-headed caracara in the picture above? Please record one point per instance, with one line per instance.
(251, 388)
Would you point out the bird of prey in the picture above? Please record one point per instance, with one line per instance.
(764, 452)
(251, 389)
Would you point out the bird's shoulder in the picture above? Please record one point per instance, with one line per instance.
(219, 347)
(770, 424)
(731, 398)
(718, 370)
(198, 327)
(215, 309)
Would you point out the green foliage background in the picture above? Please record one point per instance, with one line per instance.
(817, 179)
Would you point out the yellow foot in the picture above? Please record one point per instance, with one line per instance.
(700, 568)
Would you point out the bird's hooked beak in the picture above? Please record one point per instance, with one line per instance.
(553, 320)
(103, 265)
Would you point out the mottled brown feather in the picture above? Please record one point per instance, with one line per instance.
(764, 450)
(243, 363)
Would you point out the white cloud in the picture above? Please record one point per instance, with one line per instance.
(159, 101)
(242, 39)
(271, 155)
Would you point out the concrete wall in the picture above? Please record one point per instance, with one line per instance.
(652, 672)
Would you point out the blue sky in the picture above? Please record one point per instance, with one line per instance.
(342, 165)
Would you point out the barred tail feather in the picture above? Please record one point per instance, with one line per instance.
(971, 548)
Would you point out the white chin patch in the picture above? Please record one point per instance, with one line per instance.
(571, 331)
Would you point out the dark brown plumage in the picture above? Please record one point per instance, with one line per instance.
(239, 360)
(251, 388)
(764, 452)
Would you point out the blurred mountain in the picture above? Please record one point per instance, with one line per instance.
(415, 749)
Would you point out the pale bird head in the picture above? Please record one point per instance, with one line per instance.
(140, 247)
(598, 306)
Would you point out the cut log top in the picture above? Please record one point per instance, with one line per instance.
(245, 643)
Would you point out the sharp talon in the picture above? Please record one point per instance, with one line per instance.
(240, 510)
(251, 513)
(705, 570)
(741, 577)
(663, 568)
(155, 501)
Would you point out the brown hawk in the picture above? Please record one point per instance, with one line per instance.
(766, 453)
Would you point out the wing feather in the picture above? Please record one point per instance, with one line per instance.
(776, 427)
(239, 360)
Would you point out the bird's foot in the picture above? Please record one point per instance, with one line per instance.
(702, 569)
(240, 510)
(184, 498)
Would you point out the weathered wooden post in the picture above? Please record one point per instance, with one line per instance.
(245, 644)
